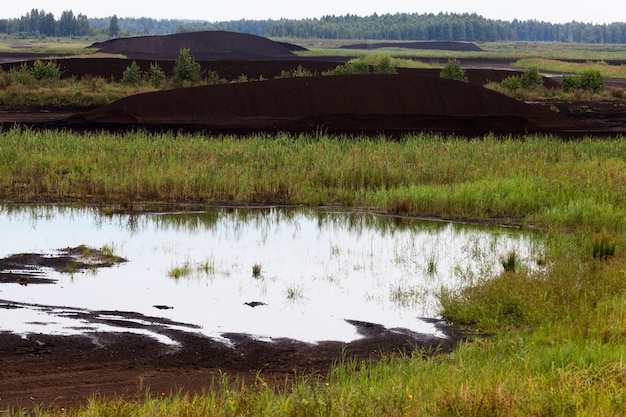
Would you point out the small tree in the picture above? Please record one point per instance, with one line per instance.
(453, 71)
(132, 74)
(48, 70)
(186, 70)
(156, 76)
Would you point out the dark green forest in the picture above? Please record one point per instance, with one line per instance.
(399, 26)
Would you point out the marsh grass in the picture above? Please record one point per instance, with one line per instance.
(181, 271)
(603, 246)
(510, 262)
(188, 269)
(256, 270)
(535, 179)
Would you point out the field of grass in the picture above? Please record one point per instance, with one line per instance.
(557, 344)
(52, 46)
(606, 70)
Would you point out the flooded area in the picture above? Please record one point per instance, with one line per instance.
(305, 274)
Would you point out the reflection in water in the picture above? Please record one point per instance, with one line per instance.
(317, 269)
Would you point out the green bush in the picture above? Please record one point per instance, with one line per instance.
(453, 71)
(23, 75)
(588, 80)
(156, 76)
(531, 78)
(527, 81)
(132, 74)
(383, 65)
(591, 80)
(48, 70)
(512, 83)
(186, 70)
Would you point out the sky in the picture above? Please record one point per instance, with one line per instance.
(597, 11)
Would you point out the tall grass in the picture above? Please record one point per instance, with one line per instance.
(536, 179)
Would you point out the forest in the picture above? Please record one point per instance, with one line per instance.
(399, 26)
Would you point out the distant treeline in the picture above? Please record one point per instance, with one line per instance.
(39, 23)
(399, 26)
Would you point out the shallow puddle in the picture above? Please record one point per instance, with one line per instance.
(271, 273)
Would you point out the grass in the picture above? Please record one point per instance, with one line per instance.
(613, 71)
(187, 269)
(256, 271)
(181, 271)
(538, 180)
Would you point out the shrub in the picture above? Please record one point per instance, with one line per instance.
(588, 80)
(48, 70)
(132, 74)
(350, 68)
(531, 78)
(591, 80)
(618, 93)
(383, 65)
(298, 72)
(512, 83)
(213, 77)
(156, 76)
(453, 71)
(186, 70)
(22, 75)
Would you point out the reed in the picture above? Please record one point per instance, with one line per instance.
(535, 179)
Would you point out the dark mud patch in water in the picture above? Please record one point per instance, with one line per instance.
(30, 268)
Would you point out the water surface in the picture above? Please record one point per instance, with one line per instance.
(319, 269)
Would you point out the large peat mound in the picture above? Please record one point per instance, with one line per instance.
(207, 45)
(341, 104)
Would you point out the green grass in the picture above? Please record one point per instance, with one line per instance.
(549, 341)
(613, 71)
(537, 179)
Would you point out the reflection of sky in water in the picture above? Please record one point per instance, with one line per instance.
(319, 268)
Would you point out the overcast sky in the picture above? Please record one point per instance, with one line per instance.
(556, 11)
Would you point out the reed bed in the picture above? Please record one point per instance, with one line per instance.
(536, 179)
(548, 343)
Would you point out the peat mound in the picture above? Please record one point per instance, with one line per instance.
(206, 45)
(430, 45)
(340, 104)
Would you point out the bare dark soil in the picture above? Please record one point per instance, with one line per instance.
(56, 371)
